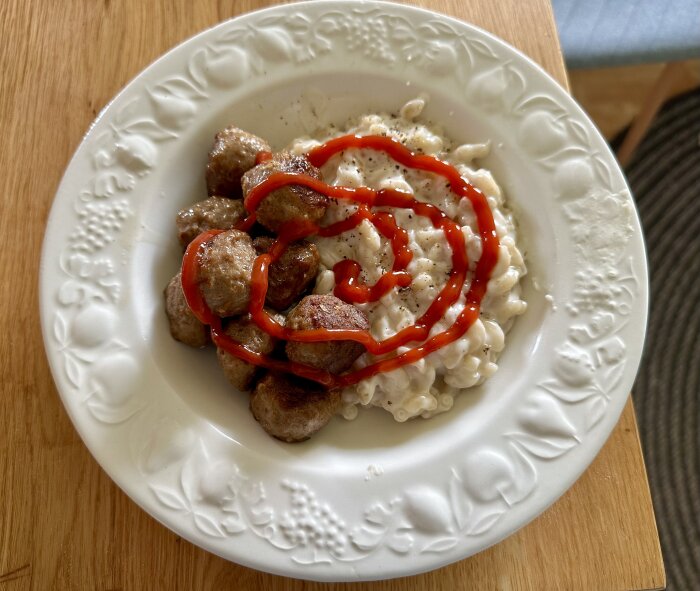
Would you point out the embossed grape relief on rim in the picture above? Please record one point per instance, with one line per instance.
(221, 501)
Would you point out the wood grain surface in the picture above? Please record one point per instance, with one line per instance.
(63, 523)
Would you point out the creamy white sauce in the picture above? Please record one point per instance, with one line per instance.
(428, 386)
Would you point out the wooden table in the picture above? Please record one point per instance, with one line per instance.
(63, 523)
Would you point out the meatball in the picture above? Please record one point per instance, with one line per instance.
(292, 202)
(291, 274)
(184, 326)
(244, 331)
(326, 311)
(292, 409)
(215, 213)
(233, 154)
(226, 265)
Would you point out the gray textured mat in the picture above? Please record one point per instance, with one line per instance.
(665, 180)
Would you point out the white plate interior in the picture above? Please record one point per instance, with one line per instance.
(195, 375)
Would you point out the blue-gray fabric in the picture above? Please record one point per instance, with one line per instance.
(597, 33)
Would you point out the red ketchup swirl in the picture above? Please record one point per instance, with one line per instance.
(349, 287)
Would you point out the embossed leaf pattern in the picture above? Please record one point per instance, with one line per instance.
(196, 67)
(459, 502)
(565, 394)
(207, 525)
(128, 111)
(170, 498)
(578, 131)
(150, 129)
(603, 171)
(555, 162)
(482, 49)
(440, 545)
(235, 35)
(190, 473)
(433, 46)
(525, 480)
(109, 414)
(614, 376)
(544, 448)
(541, 102)
(432, 29)
(595, 411)
(72, 368)
(485, 523)
(180, 86)
(60, 330)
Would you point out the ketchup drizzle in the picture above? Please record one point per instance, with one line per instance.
(349, 287)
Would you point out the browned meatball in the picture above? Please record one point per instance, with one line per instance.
(325, 311)
(226, 265)
(215, 213)
(292, 202)
(292, 409)
(244, 331)
(291, 274)
(233, 154)
(184, 327)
